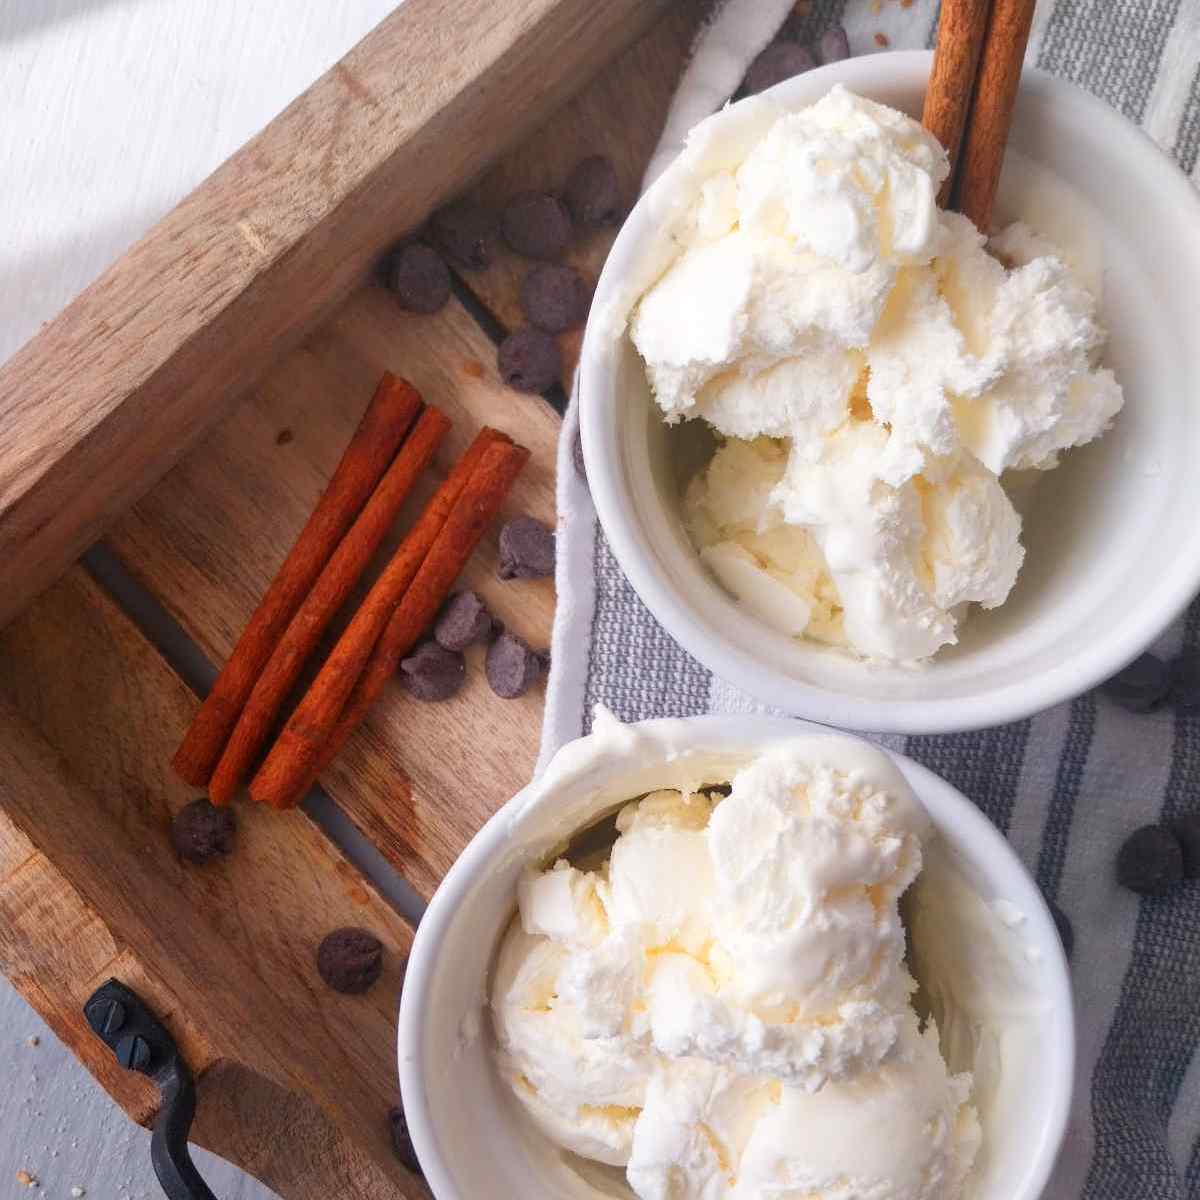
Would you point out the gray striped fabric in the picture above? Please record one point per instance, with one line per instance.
(1065, 786)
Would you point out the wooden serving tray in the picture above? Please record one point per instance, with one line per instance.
(210, 380)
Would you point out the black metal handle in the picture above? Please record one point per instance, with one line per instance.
(129, 1029)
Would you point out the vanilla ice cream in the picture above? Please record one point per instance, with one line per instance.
(873, 365)
(722, 1007)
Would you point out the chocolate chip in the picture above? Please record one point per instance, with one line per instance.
(577, 456)
(530, 360)
(833, 46)
(1151, 861)
(464, 621)
(512, 667)
(1185, 683)
(537, 225)
(555, 298)
(350, 960)
(202, 832)
(284, 436)
(1187, 830)
(420, 278)
(1141, 685)
(592, 193)
(779, 61)
(431, 672)
(465, 232)
(401, 1141)
(1066, 934)
(526, 549)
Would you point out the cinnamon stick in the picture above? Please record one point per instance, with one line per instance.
(391, 412)
(328, 595)
(411, 588)
(996, 84)
(961, 29)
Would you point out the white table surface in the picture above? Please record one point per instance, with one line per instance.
(110, 112)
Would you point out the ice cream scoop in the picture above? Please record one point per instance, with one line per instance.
(818, 297)
(728, 986)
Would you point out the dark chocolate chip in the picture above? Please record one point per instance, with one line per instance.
(537, 225)
(1066, 934)
(431, 672)
(526, 549)
(284, 436)
(1141, 685)
(420, 278)
(833, 46)
(555, 298)
(1185, 683)
(466, 233)
(592, 193)
(350, 960)
(779, 61)
(202, 832)
(512, 667)
(401, 1141)
(1151, 861)
(530, 360)
(1187, 830)
(577, 456)
(464, 621)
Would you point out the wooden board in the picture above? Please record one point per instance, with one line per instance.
(114, 391)
(90, 888)
(295, 1082)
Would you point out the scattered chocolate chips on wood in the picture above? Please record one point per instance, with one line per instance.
(431, 672)
(420, 279)
(1150, 861)
(592, 193)
(464, 621)
(555, 298)
(537, 225)
(202, 832)
(530, 360)
(1141, 685)
(465, 232)
(1187, 830)
(350, 960)
(526, 549)
(1066, 933)
(779, 61)
(401, 1140)
(833, 46)
(512, 668)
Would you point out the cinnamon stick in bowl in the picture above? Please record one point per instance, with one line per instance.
(390, 414)
(995, 97)
(962, 27)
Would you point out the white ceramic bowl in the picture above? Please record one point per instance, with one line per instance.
(472, 1142)
(1113, 541)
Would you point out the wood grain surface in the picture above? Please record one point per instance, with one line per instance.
(295, 1082)
(115, 390)
(417, 778)
(90, 888)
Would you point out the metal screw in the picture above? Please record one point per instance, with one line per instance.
(106, 1017)
(133, 1053)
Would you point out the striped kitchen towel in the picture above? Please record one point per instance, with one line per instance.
(1066, 786)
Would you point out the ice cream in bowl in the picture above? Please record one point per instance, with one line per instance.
(736, 957)
(870, 463)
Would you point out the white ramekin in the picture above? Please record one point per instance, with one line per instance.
(1113, 541)
(471, 1141)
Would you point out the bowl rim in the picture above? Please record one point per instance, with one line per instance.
(502, 832)
(1156, 610)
